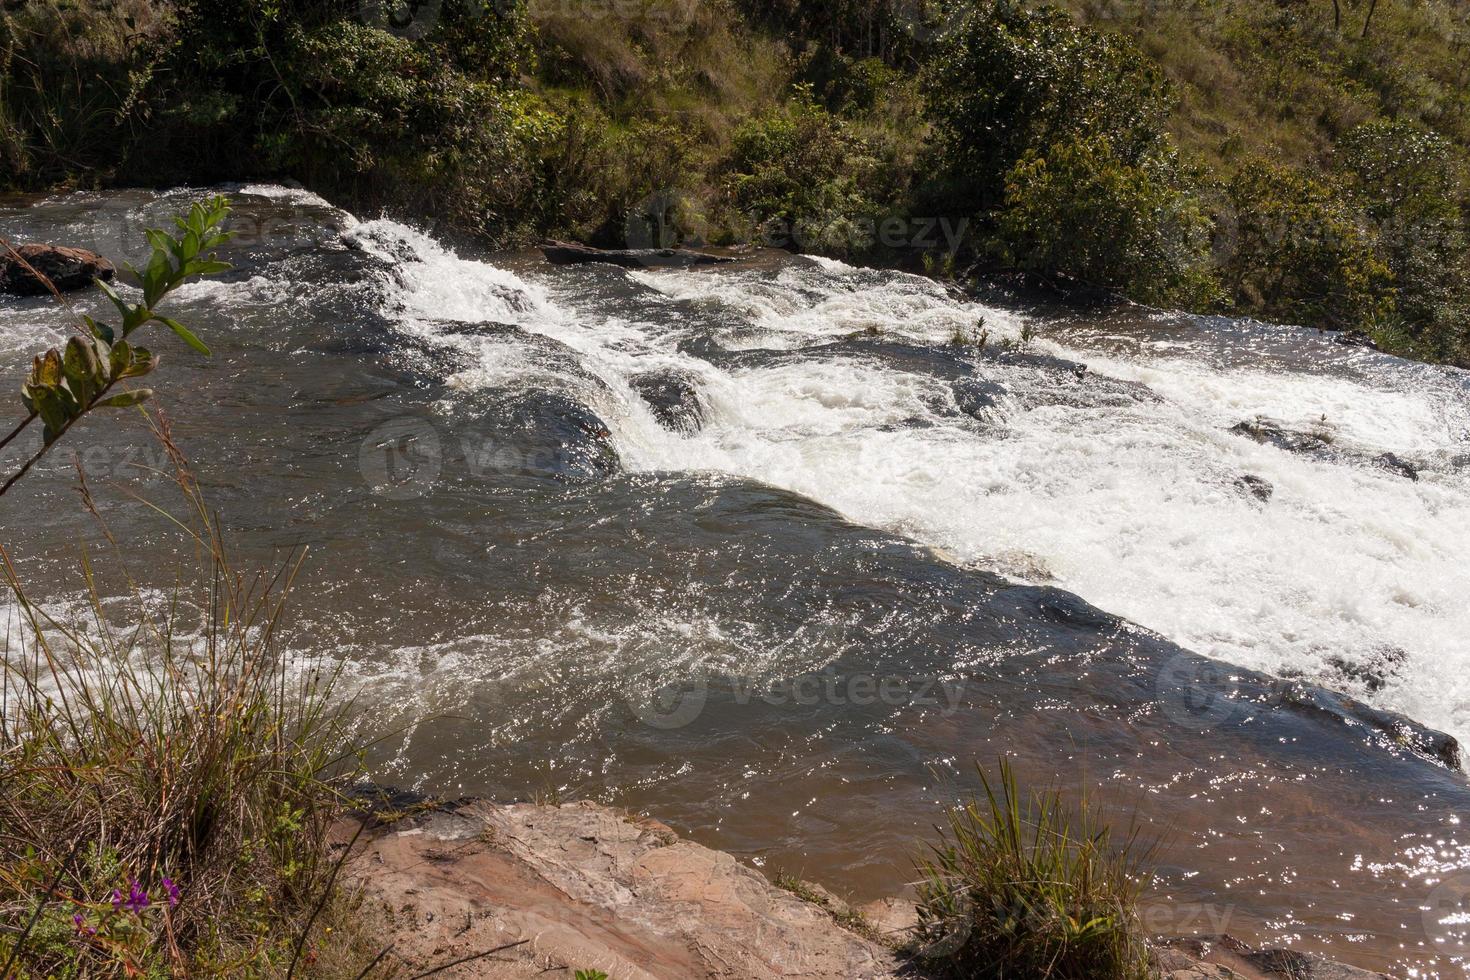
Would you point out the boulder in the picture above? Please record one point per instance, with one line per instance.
(1269, 431)
(67, 268)
(673, 399)
(1354, 338)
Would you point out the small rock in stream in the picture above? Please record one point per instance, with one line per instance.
(673, 399)
(1256, 486)
(68, 269)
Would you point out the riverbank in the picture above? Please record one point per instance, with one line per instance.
(564, 890)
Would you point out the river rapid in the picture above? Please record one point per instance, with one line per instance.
(760, 550)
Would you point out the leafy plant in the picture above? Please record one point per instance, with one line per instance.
(64, 385)
(1026, 887)
(1080, 210)
(1012, 79)
(1303, 253)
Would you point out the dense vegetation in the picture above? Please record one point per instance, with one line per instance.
(1297, 159)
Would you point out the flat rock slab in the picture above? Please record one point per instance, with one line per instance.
(584, 887)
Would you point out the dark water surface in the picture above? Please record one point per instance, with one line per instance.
(789, 618)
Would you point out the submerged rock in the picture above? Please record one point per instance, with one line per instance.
(1393, 731)
(1256, 486)
(976, 397)
(1373, 673)
(673, 399)
(1227, 958)
(1397, 464)
(551, 434)
(68, 269)
(1270, 432)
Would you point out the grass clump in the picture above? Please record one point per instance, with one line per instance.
(1026, 887)
(168, 784)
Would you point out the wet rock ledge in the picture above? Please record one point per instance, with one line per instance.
(557, 889)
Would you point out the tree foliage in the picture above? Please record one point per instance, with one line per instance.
(1012, 80)
(1080, 209)
(1302, 252)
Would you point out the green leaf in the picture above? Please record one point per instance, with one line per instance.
(208, 267)
(117, 300)
(83, 373)
(185, 335)
(143, 362)
(52, 411)
(99, 330)
(127, 399)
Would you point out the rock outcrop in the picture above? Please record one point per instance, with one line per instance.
(68, 269)
(1227, 958)
(585, 887)
(546, 891)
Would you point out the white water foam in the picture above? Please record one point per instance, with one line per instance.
(1133, 507)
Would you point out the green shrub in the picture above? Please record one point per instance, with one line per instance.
(803, 176)
(1408, 182)
(1020, 887)
(1301, 252)
(1079, 210)
(1011, 80)
(71, 75)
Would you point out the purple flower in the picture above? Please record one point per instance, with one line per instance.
(172, 891)
(137, 899)
(82, 927)
(117, 899)
(78, 920)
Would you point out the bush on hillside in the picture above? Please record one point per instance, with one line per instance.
(1079, 210)
(1012, 80)
(1301, 252)
(804, 180)
(71, 77)
(1408, 182)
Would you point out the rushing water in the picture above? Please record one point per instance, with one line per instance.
(790, 620)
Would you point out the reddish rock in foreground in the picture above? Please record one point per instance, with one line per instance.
(67, 268)
(586, 888)
(557, 889)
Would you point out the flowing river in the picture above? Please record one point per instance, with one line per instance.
(760, 550)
